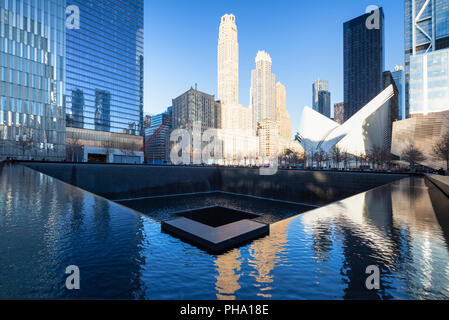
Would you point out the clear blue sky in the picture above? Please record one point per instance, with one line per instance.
(304, 39)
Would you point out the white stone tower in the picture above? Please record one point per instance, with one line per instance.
(228, 61)
(263, 90)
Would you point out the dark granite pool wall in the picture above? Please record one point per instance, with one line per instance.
(134, 181)
(311, 187)
(128, 181)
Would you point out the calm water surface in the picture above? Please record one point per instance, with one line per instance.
(46, 225)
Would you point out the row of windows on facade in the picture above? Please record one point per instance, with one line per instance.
(107, 37)
(28, 107)
(103, 126)
(84, 81)
(37, 22)
(90, 112)
(80, 100)
(102, 120)
(26, 122)
(83, 64)
(23, 37)
(52, 96)
(128, 12)
(25, 79)
(42, 67)
(110, 53)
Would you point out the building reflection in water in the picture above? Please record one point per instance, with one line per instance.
(47, 225)
(394, 227)
(417, 204)
(228, 268)
(264, 255)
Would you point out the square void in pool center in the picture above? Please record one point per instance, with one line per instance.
(215, 229)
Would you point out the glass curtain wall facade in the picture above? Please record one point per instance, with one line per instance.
(32, 74)
(324, 103)
(432, 34)
(429, 82)
(363, 62)
(398, 76)
(105, 67)
(317, 86)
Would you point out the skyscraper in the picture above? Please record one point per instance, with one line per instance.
(282, 116)
(263, 90)
(324, 103)
(105, 67)
(317, 86)
(32, 46)
(429, 82)
(363, 61)
(398, 76)
(426, 30)
(228, 61)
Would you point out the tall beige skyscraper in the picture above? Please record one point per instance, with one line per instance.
(263, 90)
(282, 116)
(228, 61)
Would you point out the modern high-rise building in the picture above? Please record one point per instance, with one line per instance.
(263, 90)
(196, 106)
(228, 61)
(426, 79)
(282, 116)
(363, 61)
(429, 82)
(398, 76)
(32, 74)
(105, 75)
(339, 112)
(324, 103)
(426, 30)
(317, 86)
(390, 113)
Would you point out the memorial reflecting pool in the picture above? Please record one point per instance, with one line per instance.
(47, 225)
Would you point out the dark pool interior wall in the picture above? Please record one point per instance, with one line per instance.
(119, 182)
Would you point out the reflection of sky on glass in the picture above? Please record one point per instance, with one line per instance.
(46, 225)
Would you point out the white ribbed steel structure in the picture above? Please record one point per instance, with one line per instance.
(357, 135)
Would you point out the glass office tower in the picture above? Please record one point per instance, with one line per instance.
(429, 82)
(105, 67)
(431, 33)
(324, 103)
(32, 71)
(363, 62)
(398, 77)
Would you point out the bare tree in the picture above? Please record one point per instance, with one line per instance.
(412, 155)
(441, 149)
(320, 157)
(336, 156)
(379, 156)
(25, 143)
(74, 149)
(346, 158)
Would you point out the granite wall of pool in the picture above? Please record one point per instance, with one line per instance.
(131, 181)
